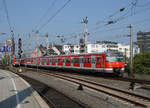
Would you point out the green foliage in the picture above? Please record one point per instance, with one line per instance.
(142, 63)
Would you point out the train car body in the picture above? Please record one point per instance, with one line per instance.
(16, 62)
(107, 62)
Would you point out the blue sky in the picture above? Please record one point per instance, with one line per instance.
(25, 15)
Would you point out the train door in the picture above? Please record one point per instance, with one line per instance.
(81, 61)
(72, 63)
(93, 62)
(99, 62)
(63, 61)
(103, 61)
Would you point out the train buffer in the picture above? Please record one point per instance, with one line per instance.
(17, 93)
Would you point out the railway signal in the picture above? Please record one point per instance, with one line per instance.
(19, 48)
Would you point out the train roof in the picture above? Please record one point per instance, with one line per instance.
(107, 52)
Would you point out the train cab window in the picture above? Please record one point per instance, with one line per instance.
(98, 60)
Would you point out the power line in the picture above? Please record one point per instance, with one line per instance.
(123, 27)
(137, 12)
(7, 15)
(124, 17)
(47, 11)
(51, 18)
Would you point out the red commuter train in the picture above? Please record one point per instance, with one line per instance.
(107, 62)
(16, 62)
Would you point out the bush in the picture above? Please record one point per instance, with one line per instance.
(142, 63)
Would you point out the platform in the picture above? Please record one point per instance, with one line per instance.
(17, 93)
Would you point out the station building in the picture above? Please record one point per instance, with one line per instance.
(143, 41)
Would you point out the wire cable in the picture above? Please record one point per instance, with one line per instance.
(51, 18)
(47, 11)
(7, 15)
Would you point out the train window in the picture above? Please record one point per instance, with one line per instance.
(59, 60)
(72, 60)
(98, 60)
(68, 60)
(76, 60)
(44, 60)
(53, 60)
(88, 60)
(41, 60)
(47, 60)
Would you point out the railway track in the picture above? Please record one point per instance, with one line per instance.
(53, 98)
(118, 94)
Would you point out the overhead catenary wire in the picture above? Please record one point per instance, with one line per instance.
(7, 16)
(122, 27)
(47, 11)
(51, 18)
(124, 17)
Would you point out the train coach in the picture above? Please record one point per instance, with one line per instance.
(16, 62)
(108, 62)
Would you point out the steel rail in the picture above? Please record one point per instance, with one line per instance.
(86, 84)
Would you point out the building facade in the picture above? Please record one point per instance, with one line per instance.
(101, 47)
(143, 41)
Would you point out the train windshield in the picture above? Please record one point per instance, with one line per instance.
(114, 57)
(17, 59)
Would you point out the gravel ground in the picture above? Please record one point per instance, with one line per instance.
(88, 97)
(114, 83)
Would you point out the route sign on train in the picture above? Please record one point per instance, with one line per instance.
(5, 48)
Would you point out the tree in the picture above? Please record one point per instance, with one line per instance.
(142, 63)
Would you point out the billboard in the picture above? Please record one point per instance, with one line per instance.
(6, 48)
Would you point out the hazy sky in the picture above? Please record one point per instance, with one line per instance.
(25, 15)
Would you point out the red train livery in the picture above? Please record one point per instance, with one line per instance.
(108, 62)
(16, 62)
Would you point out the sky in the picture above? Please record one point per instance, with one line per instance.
(27, 16)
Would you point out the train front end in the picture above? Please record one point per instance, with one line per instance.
(115, 63)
